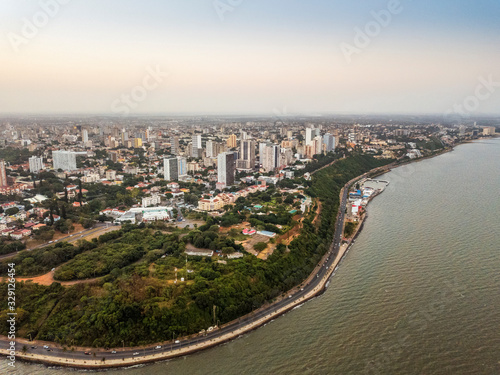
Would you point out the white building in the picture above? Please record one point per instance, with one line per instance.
(36, 164)
(65, 160)
(271, 157)
(151, 201)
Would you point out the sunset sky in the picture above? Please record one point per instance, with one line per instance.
(253, 58)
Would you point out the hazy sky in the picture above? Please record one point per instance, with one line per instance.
(249, 56)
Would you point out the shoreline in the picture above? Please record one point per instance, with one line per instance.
(96, 364)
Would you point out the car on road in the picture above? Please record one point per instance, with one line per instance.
(158, 347)
(53, 269)
(45, 346)
(51, 241)
(177, 341)
(86, 353)
(113, 352)
(136, 353)
(34, 347)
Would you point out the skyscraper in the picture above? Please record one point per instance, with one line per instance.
(196, 146)
(226, 163)
(3, 174)
(329, 142)
(231, 141)
(309, 135)
(171, 169)
(181, 166)
(247, 153)
(36, 164)
(65, 160)
(271, 157)
(85, 135)
(174, 145)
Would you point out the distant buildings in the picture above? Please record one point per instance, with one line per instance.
(36, 164)
(226, 165)
(489, 130)
(65, 160)
(3, 174)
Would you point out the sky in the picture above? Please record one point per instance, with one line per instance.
(266, 57)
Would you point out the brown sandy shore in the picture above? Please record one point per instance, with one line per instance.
(92, 363)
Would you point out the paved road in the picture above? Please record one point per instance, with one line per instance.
(69, 238)
(312, 282)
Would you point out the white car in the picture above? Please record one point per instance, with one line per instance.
(136, 353)
(158, 347)
(177, 341)
(45, 346)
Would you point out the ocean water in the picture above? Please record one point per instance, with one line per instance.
(417, 293)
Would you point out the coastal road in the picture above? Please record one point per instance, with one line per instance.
(126, 353)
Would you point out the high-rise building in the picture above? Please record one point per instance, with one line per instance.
(174, 145)
(124, 136)
(137, 142)
(226, 165)
(209, 148)
(171, 169)
(329, 142)
(3, 174)
(85, 135)
(36, 164)
(317, 143)
(309, 135)
(270, 157)
(231, 141)
(181, 166)
(243, 135)
(247, 153)
(65, 160)
(196, 146)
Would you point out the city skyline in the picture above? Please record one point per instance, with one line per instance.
(280, 58)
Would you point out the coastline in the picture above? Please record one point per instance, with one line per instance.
(93, 363)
